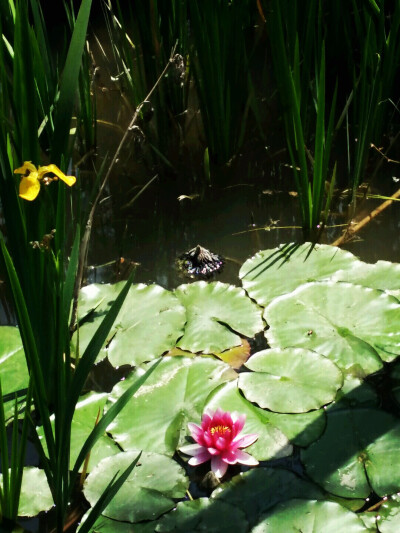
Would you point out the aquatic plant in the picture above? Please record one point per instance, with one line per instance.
(219, 439)
(35, 251)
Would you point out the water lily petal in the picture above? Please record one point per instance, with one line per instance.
(192, 449)
(218, 466)
(26, 166)
(245, 440)
(29, 187)
(197, 432)
(245, 458)
(221, 443)
(199, 459)
(208, 439)
(69, 180)
(239, 422)
(229, 456)
(213, 451)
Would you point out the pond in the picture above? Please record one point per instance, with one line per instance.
(262, 398)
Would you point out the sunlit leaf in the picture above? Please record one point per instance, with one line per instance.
(156, 418)
(292, 380)
(382, 275)
(13, 370)
(271, 443)
(84, 420)
(215, 311)
(35, 493)
(271, 273)
(147, 308)
(150, 490)
(350, 324)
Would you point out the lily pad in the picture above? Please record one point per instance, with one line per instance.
(150, 490)
(292, 380)
(147, 308)
(388, 515)
(13, 370)
(105, 525)
(203, 515)
(308, 517)
(35, 492)
(302, 428)
(271, 443)
(357, 454)
(352, 325)
(271, 273)
(355, 393)
(382, 275)
(83, 422)
(256, 491)
(214, 312)
(156, 418)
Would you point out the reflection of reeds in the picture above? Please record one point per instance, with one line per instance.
(220, 67)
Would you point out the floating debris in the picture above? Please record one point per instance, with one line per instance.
(200, 263)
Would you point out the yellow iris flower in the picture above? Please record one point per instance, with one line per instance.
(30, 184)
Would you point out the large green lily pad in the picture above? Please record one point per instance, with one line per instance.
(149, 323)
(309, 517)
(388, 515)
(291, 380)
(271, 443)
(103, 524)
(83, 422)
(271, 273)
(301, 428)
(13, 370)
(214, 312)
(35, 492)
(355, 393)
(357, 454)
(203, 515)
(350, 324)
(156, 418)
(150, 490)
(259, 489)
(382, 275)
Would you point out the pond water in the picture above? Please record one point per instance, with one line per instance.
(249, 206)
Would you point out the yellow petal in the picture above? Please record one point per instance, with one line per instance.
(69, 180)
(26, 166)
(29, 188)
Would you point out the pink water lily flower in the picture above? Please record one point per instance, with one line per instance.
(218, 439)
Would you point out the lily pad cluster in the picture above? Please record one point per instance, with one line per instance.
(327, 438)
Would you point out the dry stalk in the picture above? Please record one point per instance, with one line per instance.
(352, 230)
(84, 246)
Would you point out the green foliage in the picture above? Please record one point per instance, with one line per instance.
(149, 492)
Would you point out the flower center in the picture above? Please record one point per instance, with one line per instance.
(221, 430)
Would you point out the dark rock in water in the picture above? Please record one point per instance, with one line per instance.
(200, 263)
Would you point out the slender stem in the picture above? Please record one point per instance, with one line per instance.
(351, 230)
(86, 237)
